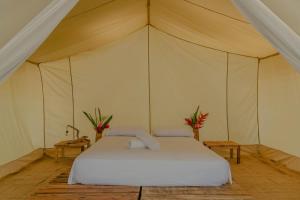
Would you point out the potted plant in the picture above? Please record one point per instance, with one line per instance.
(196, 122)
(99, 122)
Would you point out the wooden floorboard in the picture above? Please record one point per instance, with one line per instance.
(59, 189)
(58, 192)
(254, 178)
(225, 192)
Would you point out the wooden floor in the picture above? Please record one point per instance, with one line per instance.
(254, 177)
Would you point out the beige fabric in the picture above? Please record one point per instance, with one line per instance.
(242, 99)
(114, 78)
(207, 28)
(114, 75)
(28, 102)
(21, 114)
(184, 76)
(15, 14)
(210, 23)
(82, 31)
(279, 105)
(224, 7)
(20, 163)
(58, 100)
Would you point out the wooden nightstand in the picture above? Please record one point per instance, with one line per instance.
(226, 144)
(81, 143)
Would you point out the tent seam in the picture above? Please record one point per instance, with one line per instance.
(89, 10)
(177, 37)
(44, 114)
(216, 12)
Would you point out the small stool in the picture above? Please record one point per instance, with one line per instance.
(226, 144)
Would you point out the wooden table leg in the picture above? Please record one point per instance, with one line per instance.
(238, 152)
(57, 152)
(62, 152)
(231, 153)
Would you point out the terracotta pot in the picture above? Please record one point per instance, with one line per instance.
(196, 133)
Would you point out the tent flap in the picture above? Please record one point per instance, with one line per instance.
(25, 42)
(280, 35)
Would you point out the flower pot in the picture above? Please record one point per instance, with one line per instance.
(196, 133)
(98, 136)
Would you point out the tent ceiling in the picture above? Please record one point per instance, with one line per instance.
(212, 23)
(12, 22)
(223, 7)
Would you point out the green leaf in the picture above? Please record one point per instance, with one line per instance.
(107, 121)
(100, 117)
(93, 121)
(96, 118)
(90, 119)
(194, 118)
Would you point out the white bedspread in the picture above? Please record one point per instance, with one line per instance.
(181, 161)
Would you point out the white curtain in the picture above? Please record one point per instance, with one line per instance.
(283, 38)
(23, 44)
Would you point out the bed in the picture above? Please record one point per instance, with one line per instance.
(180, 161)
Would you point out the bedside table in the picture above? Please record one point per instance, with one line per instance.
(228, 145)
(82, 143)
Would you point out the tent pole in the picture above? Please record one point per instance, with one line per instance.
(257, 100)
(149, 81)
(227, 115)
(148, 12)
(148, 52)
(72, 92)
(44, 119)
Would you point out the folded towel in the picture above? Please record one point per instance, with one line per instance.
(149, 141)
(136, 143)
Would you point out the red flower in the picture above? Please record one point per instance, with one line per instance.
(188, 121)
(197, 126)
(196, 121)
(99, 127)
(107, 126)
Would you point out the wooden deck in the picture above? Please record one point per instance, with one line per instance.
(226, 192)
(86, 192)
(57, 189)
(254, 178)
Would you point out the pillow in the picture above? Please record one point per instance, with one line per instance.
(173, 133)
(124, 132)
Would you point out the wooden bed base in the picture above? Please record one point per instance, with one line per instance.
(58, 189)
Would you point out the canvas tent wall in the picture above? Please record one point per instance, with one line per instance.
(105, 54)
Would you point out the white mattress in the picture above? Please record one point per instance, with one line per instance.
(179, 162)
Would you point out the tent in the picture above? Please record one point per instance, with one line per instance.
(149, 63)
